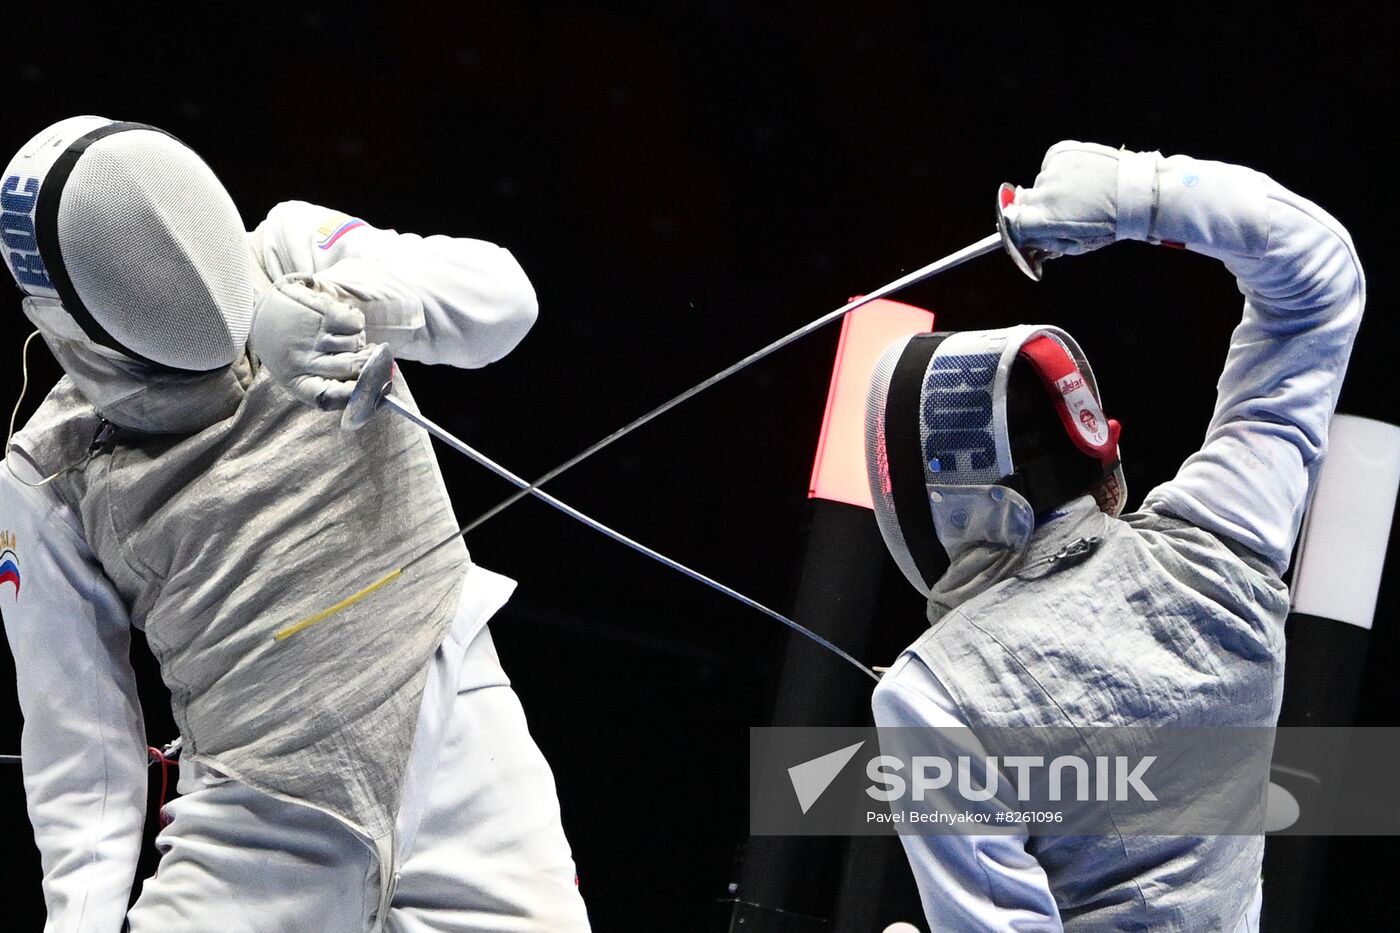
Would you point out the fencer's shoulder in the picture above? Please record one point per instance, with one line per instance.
(963, 633)
(60, 429)
(909, 692)
(941, 680)
(299, 236)
(298, 221)
(298, 213)
(61, 403)
(1157, 525)
(56, 435)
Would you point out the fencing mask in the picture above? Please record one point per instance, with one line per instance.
(970, 435)
(126, 235)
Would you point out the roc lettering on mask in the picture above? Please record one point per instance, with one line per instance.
(957, 413)
(18, 196)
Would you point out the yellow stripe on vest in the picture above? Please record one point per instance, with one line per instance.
(345, 603)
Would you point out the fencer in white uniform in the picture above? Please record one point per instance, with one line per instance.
(1047, 608)
(374, 772)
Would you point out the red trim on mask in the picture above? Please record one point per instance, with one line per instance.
(1080, 412)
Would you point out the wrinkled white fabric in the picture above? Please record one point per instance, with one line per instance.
(478, 845)
(84, 743)
(434, 299)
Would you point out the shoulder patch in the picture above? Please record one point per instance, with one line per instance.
(335, 227)
(9, 560)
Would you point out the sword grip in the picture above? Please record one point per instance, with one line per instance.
(375, 381)
(1027, 260)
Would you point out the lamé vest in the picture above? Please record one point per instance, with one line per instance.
(1150, 622)
(217, 539)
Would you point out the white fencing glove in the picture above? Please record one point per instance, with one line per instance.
(313, 345)
(1085, 197)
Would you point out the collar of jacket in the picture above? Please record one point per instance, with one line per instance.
(1069, 533)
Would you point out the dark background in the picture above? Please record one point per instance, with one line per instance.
(684, 182)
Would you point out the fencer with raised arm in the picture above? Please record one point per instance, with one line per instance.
(1046, 607)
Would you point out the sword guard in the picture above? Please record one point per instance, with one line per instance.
(1027, 260)
(375, 381)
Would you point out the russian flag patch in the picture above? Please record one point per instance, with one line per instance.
(9, 561)
(335, 228)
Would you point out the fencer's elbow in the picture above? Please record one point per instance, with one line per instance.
(1311, 264)
(525, 309)
(517, 309)
(523, 298)
(1337, 276)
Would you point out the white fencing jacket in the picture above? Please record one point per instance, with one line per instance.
(435, 300)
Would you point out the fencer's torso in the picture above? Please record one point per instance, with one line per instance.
(218, 538)
(1151, 622)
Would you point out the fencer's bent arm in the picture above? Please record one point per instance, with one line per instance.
(83, 744)
(435, 299)
(1304, 293)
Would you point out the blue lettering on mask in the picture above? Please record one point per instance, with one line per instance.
(958, 412)
(18, 196)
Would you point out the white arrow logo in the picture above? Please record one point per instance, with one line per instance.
(811, 778)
